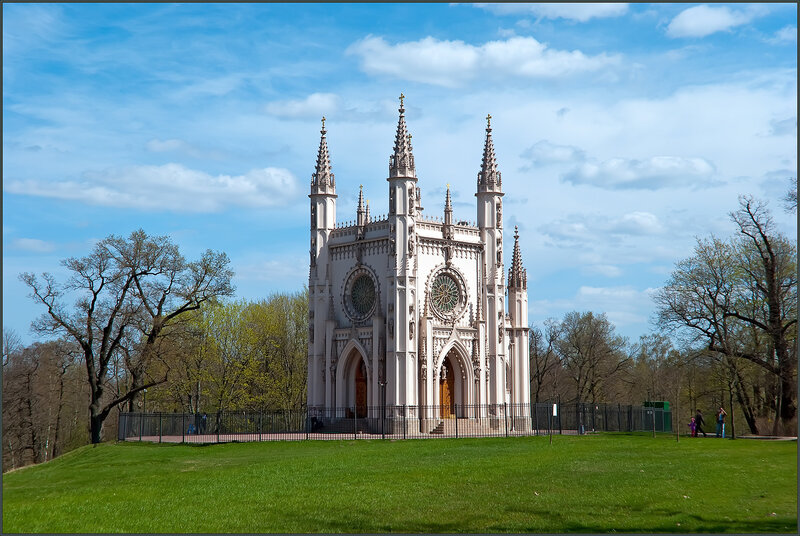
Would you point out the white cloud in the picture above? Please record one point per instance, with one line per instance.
(544, 152)
(33, 244)
(455, 63)
(700, 21)
(785, 35)
(574, 12)
(584, 228)
(650, 174)
(170, 187)
(312, 107)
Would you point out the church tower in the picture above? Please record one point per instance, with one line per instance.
(518, 333)
(401, 305)
(490, 223)
(323, 220)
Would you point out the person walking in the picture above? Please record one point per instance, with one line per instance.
(693, 427)
(699, 422)
(721, 422)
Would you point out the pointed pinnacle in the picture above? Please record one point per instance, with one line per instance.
(322, 176)
(488, 177)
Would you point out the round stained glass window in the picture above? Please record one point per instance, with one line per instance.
(445, 293)
(363, 295)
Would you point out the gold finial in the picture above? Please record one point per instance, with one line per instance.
(489, 121)
(409, 137)
(401, 99)
(323, 125)
(360, 186)
(448, 185)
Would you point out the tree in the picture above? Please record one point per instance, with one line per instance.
(769, 262)
(592, 354)
(543, 357)
(739, 299)
(126, 292)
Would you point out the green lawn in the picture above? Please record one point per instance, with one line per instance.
(595, 483)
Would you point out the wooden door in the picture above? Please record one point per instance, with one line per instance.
(361, 390)
(447, 391)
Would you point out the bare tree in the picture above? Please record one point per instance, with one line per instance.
(543, 357)
(726, 290)
(126, 289)
(592, 354)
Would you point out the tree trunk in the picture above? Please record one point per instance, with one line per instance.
(96, 428)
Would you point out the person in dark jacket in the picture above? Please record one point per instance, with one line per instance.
(699, 422)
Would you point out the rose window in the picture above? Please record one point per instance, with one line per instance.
(363, 295)
(445, 293)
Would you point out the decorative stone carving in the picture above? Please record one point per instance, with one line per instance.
(391, 328)
(411, 330)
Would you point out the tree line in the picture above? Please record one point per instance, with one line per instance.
(137, 327)
(726, 334)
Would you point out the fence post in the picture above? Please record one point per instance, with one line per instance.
(159, 426)
(308, 421)
(505, 415)
(183, 427)
(219, 423)
(456, 406)
(141, 425)
(560, 431)
(260, 422)
(404, 421)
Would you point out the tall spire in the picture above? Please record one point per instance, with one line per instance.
(489, 176)
(517, 275)
(360, 211)
(366, 216)
(401, 163)
(448, 208)
(322, 177)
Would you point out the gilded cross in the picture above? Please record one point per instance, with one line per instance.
(401, 99)
(489, 120)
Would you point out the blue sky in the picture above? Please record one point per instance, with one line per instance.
(622, 131)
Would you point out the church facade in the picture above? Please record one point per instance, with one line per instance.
(409, 310)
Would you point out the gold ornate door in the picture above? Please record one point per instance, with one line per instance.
(447, 391)
(361, 390)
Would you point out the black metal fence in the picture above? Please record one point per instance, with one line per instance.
(392, 422)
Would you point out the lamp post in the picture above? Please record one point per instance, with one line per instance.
(144, 403)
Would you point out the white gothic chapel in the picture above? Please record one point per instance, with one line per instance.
(409, 311)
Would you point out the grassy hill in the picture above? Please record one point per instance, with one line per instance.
(595, 483)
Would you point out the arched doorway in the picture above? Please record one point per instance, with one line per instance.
(361, 389)
(447, 391)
